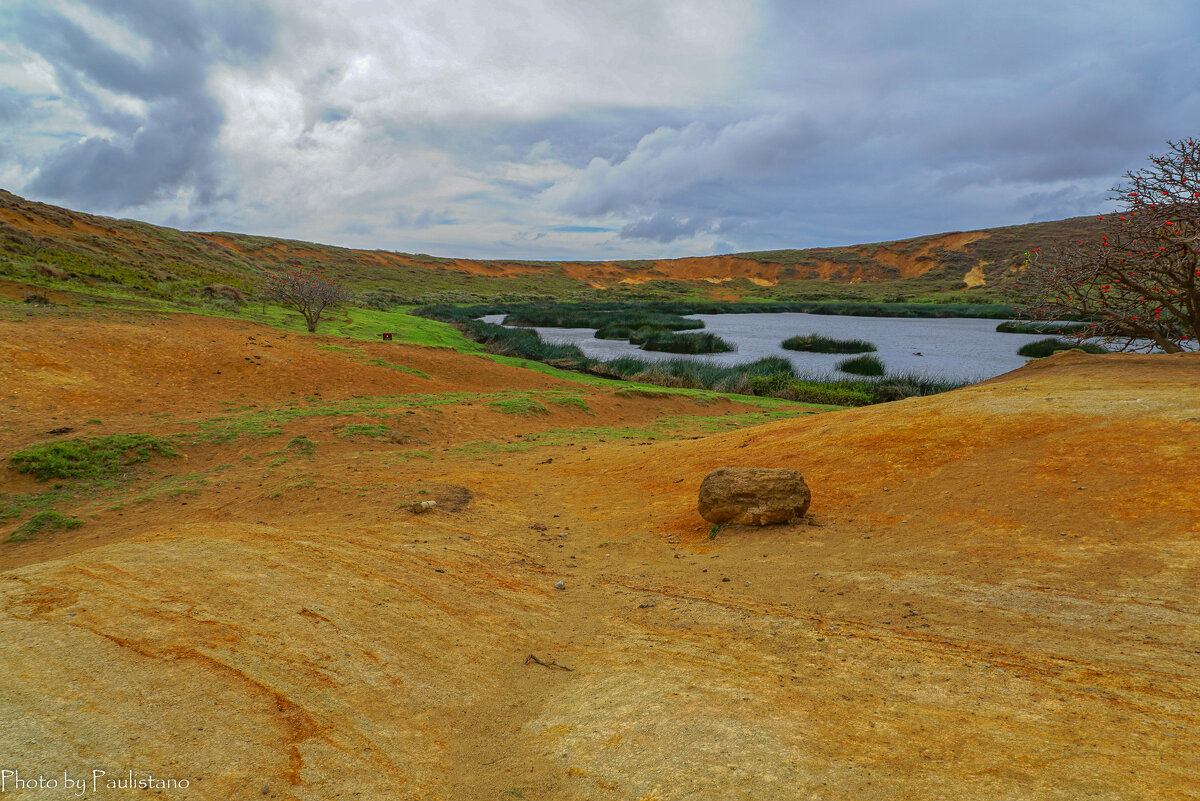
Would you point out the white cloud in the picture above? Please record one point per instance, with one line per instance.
(510, 129)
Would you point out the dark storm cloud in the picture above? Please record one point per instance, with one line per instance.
(892, 120)
(172, 146)
(662, 227)
(821, 124)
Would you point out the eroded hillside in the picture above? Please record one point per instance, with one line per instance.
(40, 242)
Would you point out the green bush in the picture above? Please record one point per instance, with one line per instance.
(815, 343)
(89, 458)
(862, 365)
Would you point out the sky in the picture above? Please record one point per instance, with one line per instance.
(570, 129)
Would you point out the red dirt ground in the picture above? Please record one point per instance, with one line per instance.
(997, 598)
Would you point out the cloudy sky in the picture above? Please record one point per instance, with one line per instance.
(577, 129)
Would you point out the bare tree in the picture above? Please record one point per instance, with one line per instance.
(307, 290)
(1139, 283)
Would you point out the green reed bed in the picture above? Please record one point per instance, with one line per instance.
(694, 344)
(815, 343)
(1045, 347)
(1020, 327)
(862, 365)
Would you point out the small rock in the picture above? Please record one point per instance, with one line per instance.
(420, 507)
(538, 527)
(560, 585)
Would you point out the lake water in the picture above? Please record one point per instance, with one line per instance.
(954, 348)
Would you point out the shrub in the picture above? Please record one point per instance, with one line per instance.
(309, 291)
(862, 365)
(815, 343)
(89, 458)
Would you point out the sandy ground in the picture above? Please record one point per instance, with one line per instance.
(997, 599)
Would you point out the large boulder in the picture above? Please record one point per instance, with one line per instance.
(753, 496)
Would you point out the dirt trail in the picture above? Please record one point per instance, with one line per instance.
(998, 600)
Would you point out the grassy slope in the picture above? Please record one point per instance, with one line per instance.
(38, 241)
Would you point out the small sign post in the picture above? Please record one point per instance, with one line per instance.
(387, 337)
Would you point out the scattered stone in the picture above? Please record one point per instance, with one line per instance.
(753, 496)
(538, 527)
(647, 605)
(560, 585)
(420, 507)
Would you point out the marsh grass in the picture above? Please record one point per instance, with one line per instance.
(815, 343)
(566, 316)
(1045, 347)
(1019, 327)
(694, 344)
(862, 365)
(812, 388)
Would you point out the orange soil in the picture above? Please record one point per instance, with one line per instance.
(997, 601)
(713, 269)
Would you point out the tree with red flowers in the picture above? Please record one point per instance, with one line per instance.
(308, 290)
(1139, 283)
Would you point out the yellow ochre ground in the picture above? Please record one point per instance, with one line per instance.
(996, 599)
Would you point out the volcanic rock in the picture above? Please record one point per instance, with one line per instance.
(753, 496)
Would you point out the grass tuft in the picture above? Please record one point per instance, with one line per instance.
(364, 430)
(46, 520)
(89, 458)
